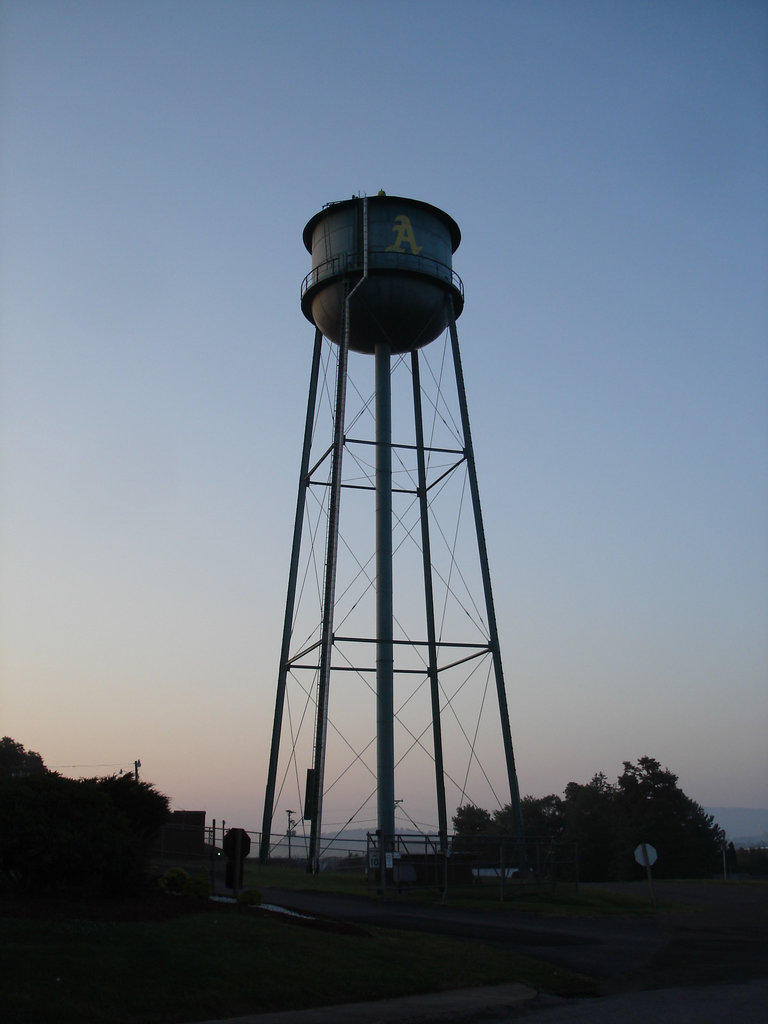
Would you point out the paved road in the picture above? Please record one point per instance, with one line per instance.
(704, 961)
(508, 1004)
(604, 947)
(718, 934)
(712, 1004)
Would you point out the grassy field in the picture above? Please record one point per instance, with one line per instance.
(230, 963)
(224, 961)
(90, 965)
(518, 896)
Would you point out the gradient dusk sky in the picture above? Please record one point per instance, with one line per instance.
(607, 164)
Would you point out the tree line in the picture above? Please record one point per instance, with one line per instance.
(608, 821)
(57, 832)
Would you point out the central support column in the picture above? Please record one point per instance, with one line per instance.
(385, 751)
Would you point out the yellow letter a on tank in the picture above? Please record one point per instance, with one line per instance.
(405, 236)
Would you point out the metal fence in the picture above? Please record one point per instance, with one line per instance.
(199, 849)
(472, 865)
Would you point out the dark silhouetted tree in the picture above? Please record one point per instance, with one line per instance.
(472, 821)
(15, 761)
(608, 822)
(473, 826)
(589, 813)
(542, 817)
(653, 809)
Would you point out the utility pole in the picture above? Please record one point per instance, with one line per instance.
(136, 766)
(290, 832)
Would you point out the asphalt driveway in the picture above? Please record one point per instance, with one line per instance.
(718, 932)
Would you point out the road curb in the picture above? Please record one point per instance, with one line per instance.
(451, 1006)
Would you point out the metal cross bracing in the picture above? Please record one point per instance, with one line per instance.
(451, 738)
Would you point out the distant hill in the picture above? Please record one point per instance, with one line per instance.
(746, 825)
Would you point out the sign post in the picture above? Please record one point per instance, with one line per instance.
(646, 855)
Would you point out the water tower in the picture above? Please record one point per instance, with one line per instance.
(382, 285)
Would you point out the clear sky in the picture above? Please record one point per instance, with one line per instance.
(606, 162)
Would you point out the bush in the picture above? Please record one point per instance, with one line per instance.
(56, 833)
(139, 802)
(198, 886)
(180, 883)
(62, 834)
(174, 880)
(249, 898)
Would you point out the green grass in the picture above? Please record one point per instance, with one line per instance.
(232, 963)
(276, 876)
(587, 901)
(228, 963)
(563, 901)
(518, 896)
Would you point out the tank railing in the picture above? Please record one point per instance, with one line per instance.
(346, 263)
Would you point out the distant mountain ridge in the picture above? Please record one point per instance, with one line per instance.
(742, 824)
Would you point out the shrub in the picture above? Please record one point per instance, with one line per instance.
(143, 807)
(64, 834)
(198, 886)
(249, 898)
(57, 833)
(174, 880)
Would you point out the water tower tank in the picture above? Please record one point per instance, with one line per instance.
(392, 257)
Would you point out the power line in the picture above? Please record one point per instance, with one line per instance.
(134, 769)
(109, 764)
